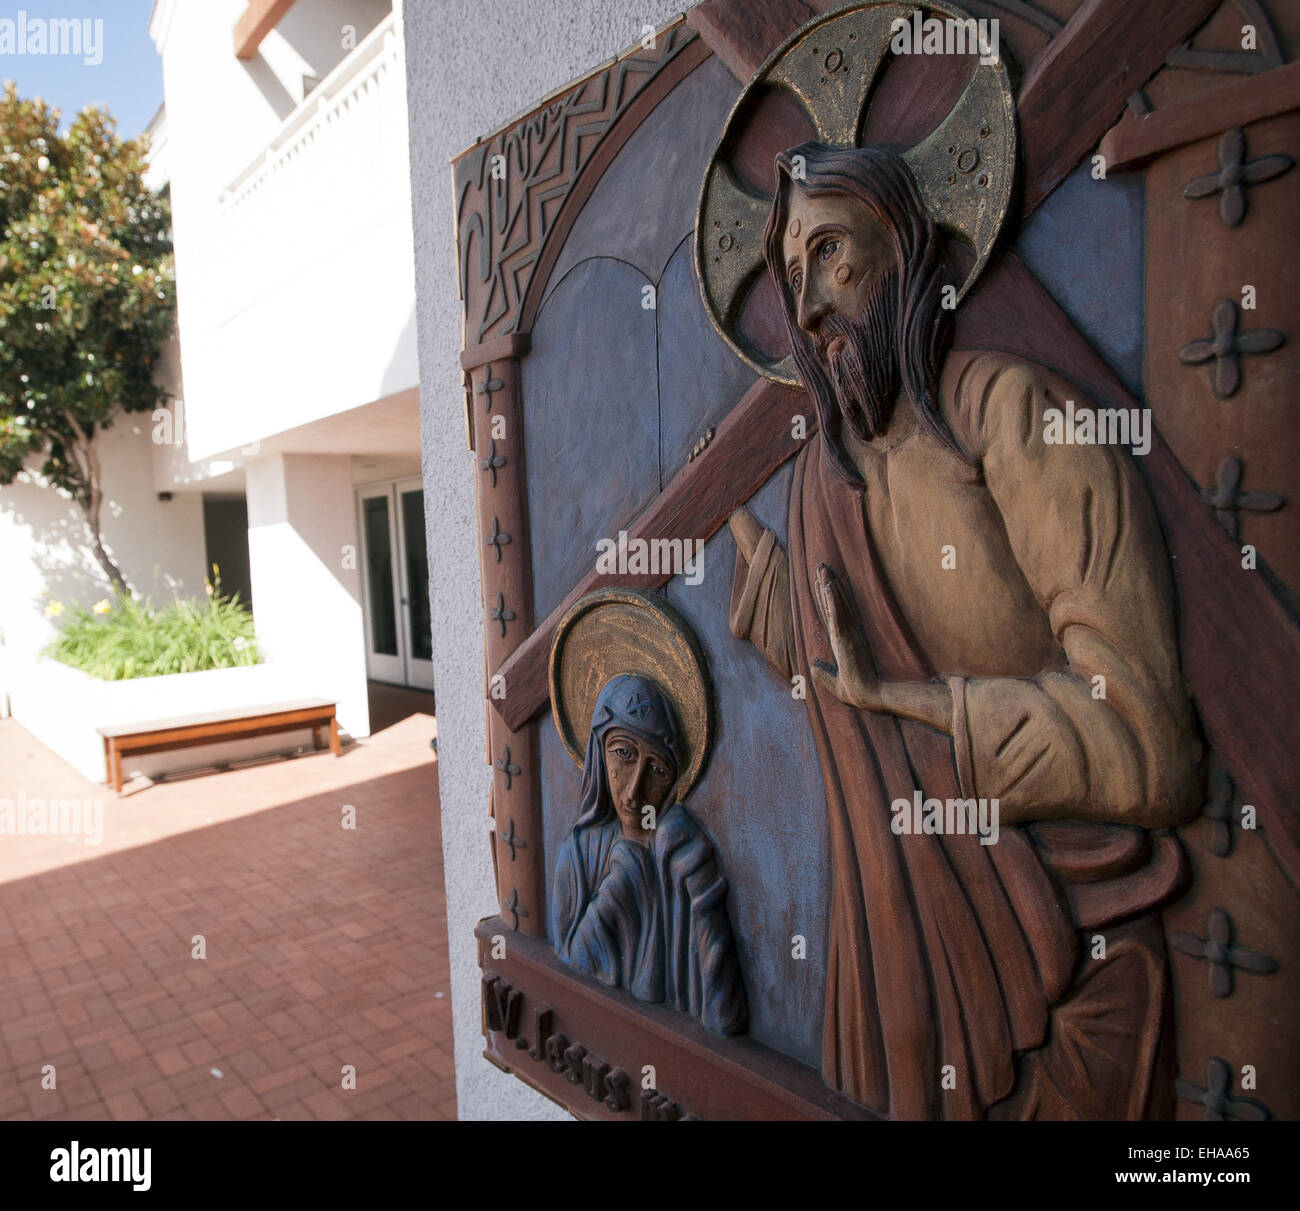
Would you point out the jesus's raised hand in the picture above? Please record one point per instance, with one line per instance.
(852, 677)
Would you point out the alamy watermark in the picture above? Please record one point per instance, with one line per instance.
(919, 816)
(76, 1163)
(945, 36)
(1098, 427)
(24, 35)
(24, 817)
(626, 556)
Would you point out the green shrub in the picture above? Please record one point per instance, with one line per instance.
(122, 638)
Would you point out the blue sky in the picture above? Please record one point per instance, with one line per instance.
(129, 80)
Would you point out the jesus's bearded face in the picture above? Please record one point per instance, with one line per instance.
(841, 270)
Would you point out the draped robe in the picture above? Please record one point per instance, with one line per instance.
(949, 958)
(651, 920)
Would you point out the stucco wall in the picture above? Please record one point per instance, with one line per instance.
(470, 66)
(302, 524)
(45, 546)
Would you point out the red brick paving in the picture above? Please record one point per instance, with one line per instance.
(325, 946)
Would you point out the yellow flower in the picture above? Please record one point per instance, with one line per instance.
(54, 609)
(102, 606)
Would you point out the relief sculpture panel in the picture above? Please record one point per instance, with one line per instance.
(901, 733)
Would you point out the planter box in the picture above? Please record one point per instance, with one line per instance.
(63, 708)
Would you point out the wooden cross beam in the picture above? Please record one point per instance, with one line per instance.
(743, 36)
(754, 440)
(1134, 141)
(1081, 82)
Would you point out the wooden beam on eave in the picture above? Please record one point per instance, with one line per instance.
(259, 19)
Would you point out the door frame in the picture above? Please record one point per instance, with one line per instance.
(419, 673)
(402, 669)
(380, 666)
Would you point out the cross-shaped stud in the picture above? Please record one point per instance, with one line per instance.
(512, 839)
(497, 539)
(1225, 347)
(638, 706)
(1227, 499)
(1223, 955)
(499, 613)
(493, 461)
(515, 909)
(1219, 1104)
(506, 766)
(1218, 810)
(489, 386)
(1234, 174)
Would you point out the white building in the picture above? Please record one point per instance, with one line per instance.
(291, 458)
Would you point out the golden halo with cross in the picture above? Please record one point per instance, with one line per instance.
(617, 631)
(963, 169)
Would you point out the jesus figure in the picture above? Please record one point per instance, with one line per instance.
(979, 615)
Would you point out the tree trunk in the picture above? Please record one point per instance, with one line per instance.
(91, 498)
(102, 557)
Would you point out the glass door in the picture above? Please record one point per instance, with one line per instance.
(395, 574)
(385, 654)
(416, 623)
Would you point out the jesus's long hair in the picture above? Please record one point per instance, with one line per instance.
(880, 180)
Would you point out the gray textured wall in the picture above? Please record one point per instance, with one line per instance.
(472, 64)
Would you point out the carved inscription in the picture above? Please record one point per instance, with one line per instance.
(598, 1079)
(502, 1005)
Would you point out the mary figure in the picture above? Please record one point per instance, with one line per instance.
(638, 902)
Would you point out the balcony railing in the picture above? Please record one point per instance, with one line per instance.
(339, 119)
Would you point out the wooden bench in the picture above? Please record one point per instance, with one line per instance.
(161, 735)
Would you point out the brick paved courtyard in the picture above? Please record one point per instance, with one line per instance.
(325, 946)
